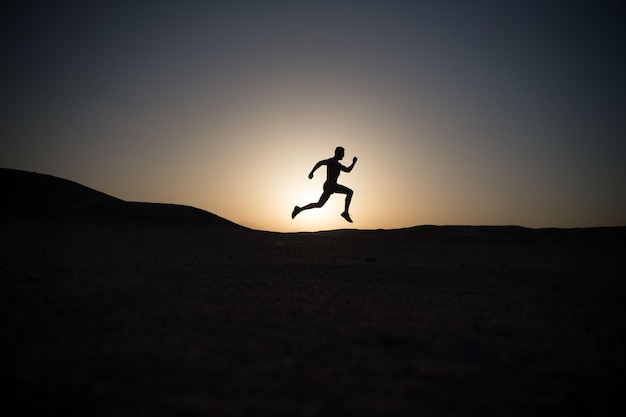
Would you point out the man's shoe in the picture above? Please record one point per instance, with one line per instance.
(295, 211)
(346, 216)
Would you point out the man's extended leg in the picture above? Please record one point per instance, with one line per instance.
(323, 199)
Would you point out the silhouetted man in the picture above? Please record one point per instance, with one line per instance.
(333, 169)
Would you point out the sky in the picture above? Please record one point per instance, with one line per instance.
(472, 113)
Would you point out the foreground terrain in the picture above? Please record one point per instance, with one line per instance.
(154, 318)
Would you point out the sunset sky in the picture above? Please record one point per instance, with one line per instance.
(460, 112)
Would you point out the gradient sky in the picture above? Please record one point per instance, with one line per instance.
(468, 112)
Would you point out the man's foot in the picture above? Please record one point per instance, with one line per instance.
(346, 216)
(295, 211)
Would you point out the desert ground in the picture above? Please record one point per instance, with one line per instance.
(184, 320)
(191, 318)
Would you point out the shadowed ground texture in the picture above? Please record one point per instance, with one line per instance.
(180, 320)
(190, 317)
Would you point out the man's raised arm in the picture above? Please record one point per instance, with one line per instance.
(348, 169)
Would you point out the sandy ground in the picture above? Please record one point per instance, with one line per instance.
(128, 320)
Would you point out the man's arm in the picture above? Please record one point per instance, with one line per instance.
(348, 169)
(319, 164)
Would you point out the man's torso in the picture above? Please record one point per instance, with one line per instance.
(333, 168)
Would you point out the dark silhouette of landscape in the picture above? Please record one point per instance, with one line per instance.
(39, 197)
(121, 308)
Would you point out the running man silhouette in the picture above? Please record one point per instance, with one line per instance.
(333, 169)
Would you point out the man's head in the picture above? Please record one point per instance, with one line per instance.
(339, 152)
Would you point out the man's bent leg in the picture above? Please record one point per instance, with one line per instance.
(348, 192)
(348, 200)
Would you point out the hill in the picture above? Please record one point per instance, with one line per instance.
(29, 196)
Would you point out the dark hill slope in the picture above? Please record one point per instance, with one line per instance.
(30, 196)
